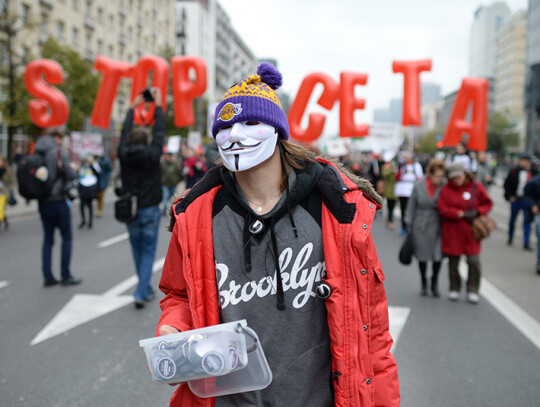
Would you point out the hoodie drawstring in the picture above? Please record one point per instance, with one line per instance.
(279, 283)
(289, 212)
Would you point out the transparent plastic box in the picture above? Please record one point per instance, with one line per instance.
(217, 360)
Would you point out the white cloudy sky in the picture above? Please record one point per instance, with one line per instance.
(332, 36)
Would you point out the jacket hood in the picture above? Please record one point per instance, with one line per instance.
(45, 143)
(346, 177)
(332, 179)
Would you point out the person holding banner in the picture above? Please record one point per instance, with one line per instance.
(283, 239)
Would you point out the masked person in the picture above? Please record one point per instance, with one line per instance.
(281, 239)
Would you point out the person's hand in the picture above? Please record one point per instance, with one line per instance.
(156, 94)
(512, 199)
(535, 209)
(470, 215)
(460, 214)
(169, 330)
(136, 101)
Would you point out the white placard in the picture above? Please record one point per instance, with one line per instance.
(382, 137)
(83, 143)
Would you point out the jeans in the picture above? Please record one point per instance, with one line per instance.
(56, 215)
(143, 236)
(168, 193)
(515, 207)
(537, 227)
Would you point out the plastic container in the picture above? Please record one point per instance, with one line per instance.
(217, 360)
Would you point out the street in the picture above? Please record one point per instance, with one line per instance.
(78, 346)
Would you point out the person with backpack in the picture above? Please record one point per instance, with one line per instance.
(55, 206)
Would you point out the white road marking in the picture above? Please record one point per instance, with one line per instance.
(398, 317)
(82, 308)
(113, 240)
(524, 323)
(4, 284)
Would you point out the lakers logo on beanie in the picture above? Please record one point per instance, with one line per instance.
(253, 99)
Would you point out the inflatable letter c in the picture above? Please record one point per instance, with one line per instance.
(316, 120)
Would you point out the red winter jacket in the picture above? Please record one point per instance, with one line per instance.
(357, 307)
(456, 233)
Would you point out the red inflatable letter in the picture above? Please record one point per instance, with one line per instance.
(473, 90)
(411, 93)
(51, 108)
(316, 120)
(113, 71)
(348, 104)
(184, 90)
(160, 79)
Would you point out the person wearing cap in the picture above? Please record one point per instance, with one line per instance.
(461, 200)
(282, 239)
(514, 186)
(55, 210)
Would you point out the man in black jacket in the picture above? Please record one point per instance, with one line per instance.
(513, 192)
(141, 175)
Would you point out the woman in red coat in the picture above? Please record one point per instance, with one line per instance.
(460, 201)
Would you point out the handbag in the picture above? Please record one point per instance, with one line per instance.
(126, 206)
(12, 200)
(407, 250)
(481, 225)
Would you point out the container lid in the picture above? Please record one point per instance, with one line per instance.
(255, 376)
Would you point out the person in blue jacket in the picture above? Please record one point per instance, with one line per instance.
(532, 200)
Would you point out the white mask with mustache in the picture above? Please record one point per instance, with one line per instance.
(246, 144)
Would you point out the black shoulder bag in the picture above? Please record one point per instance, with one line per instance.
(125, 207)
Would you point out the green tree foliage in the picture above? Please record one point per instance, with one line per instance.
(80, 84)
(428, 144)
(501, 133)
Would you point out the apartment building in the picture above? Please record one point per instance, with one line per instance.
(204, 29)
(123, 30)
(510, 71)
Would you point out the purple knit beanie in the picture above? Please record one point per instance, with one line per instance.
(253, 98)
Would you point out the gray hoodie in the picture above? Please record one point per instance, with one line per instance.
(60, 177)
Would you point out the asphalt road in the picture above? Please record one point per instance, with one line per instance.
(448, 354)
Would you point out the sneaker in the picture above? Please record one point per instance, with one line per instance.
(509, 242)
(453, 296)
(527, 248)
(139, 304)
(538, 271)
(473, 298)
(50, 283)
(71, 281)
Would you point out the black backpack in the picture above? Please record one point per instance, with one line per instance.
(33, 177)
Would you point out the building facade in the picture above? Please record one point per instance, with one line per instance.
(483, 48)
(123, 30)
(204, 29)
(510, 72)
(532, 87)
